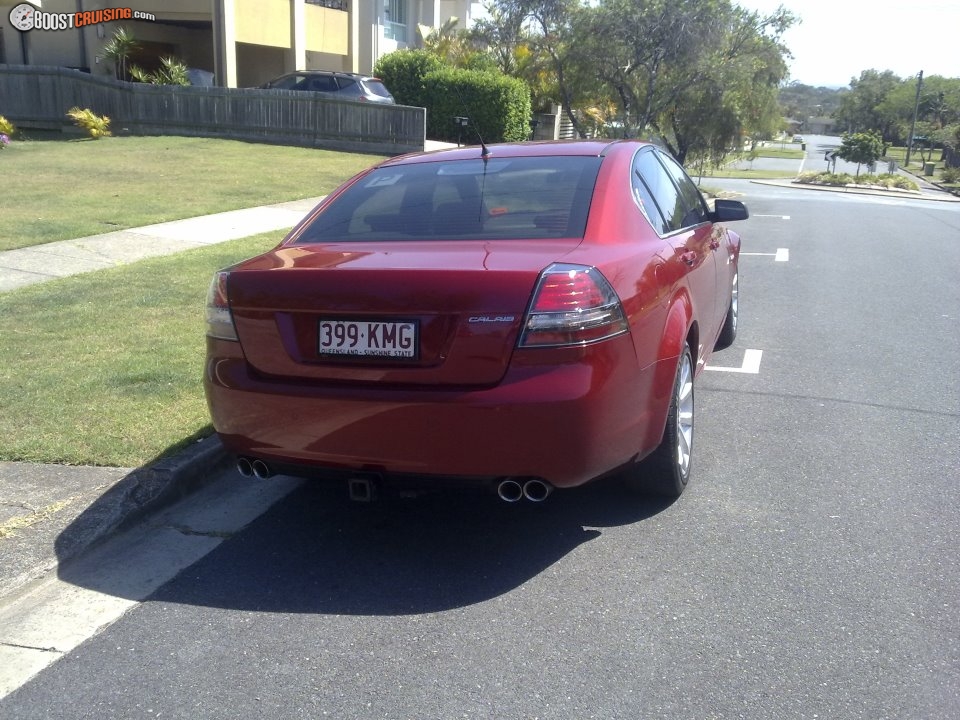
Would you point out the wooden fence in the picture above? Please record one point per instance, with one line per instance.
(39, 97)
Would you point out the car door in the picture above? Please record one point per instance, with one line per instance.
(697, 214)
(684, 226)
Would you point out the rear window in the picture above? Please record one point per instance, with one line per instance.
(494, 199)
(377, 88)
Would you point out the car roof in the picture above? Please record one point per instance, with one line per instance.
(541, 148)
(338, 73)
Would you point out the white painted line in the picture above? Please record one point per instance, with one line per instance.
(54, 615)
(781, 255)
(782, 217)
(751, 364)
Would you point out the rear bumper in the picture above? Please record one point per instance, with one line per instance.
(589, 411)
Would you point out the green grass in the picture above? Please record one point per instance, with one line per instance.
(106, 368)
(64, 189)
(743, 174)
(788, 152)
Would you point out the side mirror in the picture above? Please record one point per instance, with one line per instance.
(728, 211)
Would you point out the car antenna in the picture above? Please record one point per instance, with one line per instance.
(484, 150)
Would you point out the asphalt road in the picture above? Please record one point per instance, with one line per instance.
(812, 569)
(816, 147)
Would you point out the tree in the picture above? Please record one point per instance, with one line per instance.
(863, 107)
(862, 148)
(536, 41)
(454, 47)
(696, 72)
(118, 50)
(802, 101)
(731, 91)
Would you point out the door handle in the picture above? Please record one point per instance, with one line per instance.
(689, 257)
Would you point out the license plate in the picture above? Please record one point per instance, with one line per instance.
(368, 338)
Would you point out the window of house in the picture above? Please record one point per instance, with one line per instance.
(395, 20)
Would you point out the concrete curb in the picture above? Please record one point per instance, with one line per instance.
(141, 493)
(906, 195)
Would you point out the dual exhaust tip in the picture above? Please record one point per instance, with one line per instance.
(364, 489)
(512, 491)
(253, 468)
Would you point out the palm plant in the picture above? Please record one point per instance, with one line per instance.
(171, 72)
(118, 50)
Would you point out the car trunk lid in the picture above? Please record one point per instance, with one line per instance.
(403, 314)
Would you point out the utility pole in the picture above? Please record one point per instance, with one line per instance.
(913, 125)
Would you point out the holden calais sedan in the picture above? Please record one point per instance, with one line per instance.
(522, 316)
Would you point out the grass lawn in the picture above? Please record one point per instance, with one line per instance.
(106, 368)
(744, 174)
(63, 189)
(788, 152)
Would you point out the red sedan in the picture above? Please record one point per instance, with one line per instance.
(526, 316)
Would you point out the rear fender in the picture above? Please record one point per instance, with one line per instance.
(676, 332)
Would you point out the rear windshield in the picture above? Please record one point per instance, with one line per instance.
(494, 199)
(377, 88)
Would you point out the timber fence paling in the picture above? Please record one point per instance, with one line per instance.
(39, 97)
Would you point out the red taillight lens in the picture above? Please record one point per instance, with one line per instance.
(565, 291)
(219, 317)
(572, 305)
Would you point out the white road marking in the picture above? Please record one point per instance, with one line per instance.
(750, 366)
(781, 255)
(53, 616)
(782, 217)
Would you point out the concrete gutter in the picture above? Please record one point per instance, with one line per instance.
(50, 514)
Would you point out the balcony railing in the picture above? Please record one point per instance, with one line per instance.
(332, 4)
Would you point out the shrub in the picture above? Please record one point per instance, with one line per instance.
(838, 179)
(6, 127)
(171, 72)
(97, 126)
(895, 181)
(950, 175)
(403, 72)
(498, 105)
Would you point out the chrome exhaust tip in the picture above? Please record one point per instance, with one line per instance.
(261, 469)
(244, 467)
(510, 491)
(537, 490)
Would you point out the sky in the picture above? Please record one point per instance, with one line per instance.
(837, 39)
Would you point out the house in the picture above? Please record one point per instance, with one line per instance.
(239, 43)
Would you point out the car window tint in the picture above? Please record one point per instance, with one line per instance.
(287, 83)
(664, 192)
(644, 198)
(377, 88)
(694, 211)
(322, 83)
(349, 87)
(508, 198)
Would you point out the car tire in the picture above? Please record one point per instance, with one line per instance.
(728, 333)
(666, 471)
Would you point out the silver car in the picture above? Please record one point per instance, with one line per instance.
(346, 86)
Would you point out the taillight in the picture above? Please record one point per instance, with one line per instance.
(219, 317)
(572, 305)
